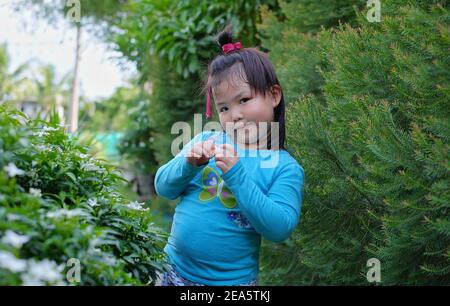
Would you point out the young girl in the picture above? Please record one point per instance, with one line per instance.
(234, 187)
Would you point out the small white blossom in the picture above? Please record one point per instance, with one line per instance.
(110, 260)
(12, 170)
(28, 280)
(90, 167)
(21, 119)
(94, 242)
(65, 213)
(12, 263)
(57, 148)
(40, 133)
(42, 148)
(93, 202)
(42, 272)
(24, 142)
(14, 239)
(137, 206)
(45, 270)
(49, 129)
(35, 192)
(13, 217)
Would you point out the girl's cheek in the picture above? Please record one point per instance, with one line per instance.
(262, 114)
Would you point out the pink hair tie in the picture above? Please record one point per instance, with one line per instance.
(227, 48)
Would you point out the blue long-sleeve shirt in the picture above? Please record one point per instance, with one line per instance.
(220, 218)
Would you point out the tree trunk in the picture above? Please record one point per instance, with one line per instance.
(60, 108)
(76, 85)
(145, 187)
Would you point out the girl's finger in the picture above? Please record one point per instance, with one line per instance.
(192, 154)
(228, 150)
(218, 150)
(207, 152)
(221, 165)
(208, 147)
(198, 150)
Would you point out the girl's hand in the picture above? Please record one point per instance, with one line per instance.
(200, 153)
(226, 157)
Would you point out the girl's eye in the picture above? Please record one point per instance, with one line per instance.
(223, 109)
(245, 100)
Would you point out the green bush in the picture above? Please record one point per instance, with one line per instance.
(374, 141)
(58, 203)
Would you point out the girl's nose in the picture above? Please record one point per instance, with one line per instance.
(236, 114)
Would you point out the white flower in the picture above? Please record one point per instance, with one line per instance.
(35, 192)
(12, 170)
(137, 206)
(75, 212)
(42, 272)
(92, 202)
(65, 213)
(96, 251)
(14, 239)
(21, 119)
(49, 129)
(45, 270)
(81, 155)
(40, 133)
(42, 148)
(90, 167)
(24, 142)
(12, 263)
(28, 280)
(110, 260)
(13, 217)
(94, 242)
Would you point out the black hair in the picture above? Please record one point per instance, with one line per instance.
(251, 66)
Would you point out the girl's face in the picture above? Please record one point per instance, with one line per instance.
(243, 114)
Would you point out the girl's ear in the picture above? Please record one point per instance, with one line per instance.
(276, 95)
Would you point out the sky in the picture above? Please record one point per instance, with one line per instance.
(28, 38)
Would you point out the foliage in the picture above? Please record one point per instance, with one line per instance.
(370, 126)
(182, 32)
(57, 203)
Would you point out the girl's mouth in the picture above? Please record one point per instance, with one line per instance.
(241, 125)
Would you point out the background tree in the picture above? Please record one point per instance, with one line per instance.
(370, 126)
(81, 14)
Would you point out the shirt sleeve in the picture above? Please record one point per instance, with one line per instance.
(172, 178)
(276, 214)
